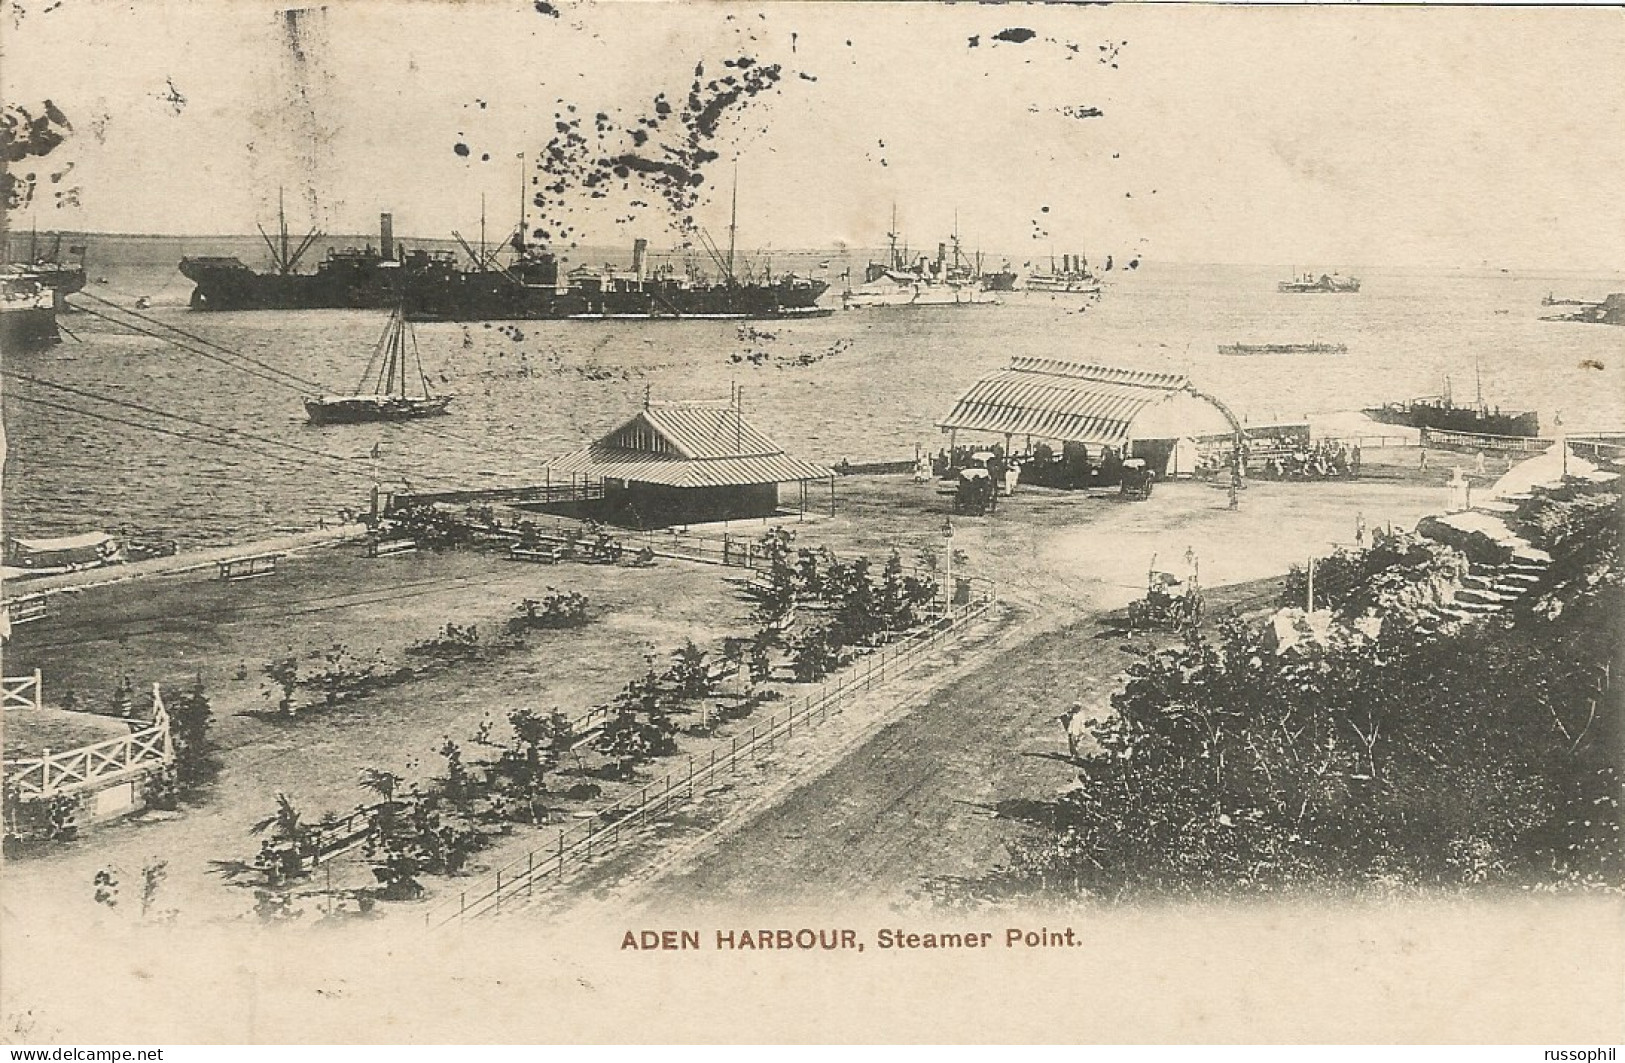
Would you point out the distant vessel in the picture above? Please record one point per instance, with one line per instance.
(348, 278)
(1611, 311)
(386, 373)
(1284, 348)
(1001, 280)
(1441, 413)
(27, 314)
(523, 285)
(906, 280)
(1073, 277)
(530, 288)
(48, 270)
(1325, 283)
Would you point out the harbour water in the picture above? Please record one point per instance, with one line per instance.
(860, 385)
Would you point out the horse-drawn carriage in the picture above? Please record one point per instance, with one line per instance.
(975, 492)
(1169, 603)
(1137, 480)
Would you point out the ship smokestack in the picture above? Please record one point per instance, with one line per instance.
(386, 235)
(942, 256)
(640, 248)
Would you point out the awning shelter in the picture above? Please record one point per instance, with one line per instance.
(688, 462)
(92, 548)
(1095, 405)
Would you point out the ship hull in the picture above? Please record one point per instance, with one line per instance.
(918, 295)
(489, 297)
(30, 328)
(362, 409)
(1062, 285)
(1457, 419)
(228, 288)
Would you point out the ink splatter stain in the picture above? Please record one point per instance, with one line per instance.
(1015, 35)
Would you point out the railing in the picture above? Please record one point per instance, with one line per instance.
(15, 691)
(1438, 437)
(1598, 446)
(77, 769)
(875, 468)
(247, 567)
(577, 844)
(390, 547)
(565, 491)
(28, 608)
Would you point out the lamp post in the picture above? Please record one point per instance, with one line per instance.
(948, 551)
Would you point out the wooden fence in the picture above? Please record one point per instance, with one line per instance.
(1605, 447)
(874, 468)
(79, 769)
(247, 567)
(577, 845)
(744, 551)
(1437, 437)
(574, 490)
(21, 691)
(26, 609)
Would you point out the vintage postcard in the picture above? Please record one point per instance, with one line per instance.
(592, 521)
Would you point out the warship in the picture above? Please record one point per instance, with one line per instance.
(906, 280)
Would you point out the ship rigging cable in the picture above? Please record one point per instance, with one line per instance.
(269, 373)
(31, 400)
(291, 381)
(346, 462)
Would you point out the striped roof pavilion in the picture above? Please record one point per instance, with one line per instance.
(1072, 402)
(687, 445)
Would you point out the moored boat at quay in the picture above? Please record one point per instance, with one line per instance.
(27, 314)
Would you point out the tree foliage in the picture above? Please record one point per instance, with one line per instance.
(1485, 755)
(1400, 571)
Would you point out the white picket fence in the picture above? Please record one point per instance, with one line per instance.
(81, 769)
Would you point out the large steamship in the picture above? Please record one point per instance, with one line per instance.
(516, 281)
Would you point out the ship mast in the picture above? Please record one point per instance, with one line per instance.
(520, 246)
(282, 228)
(733, 225)
(891, 237)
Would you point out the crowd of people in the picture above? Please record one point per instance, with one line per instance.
(1326, 459)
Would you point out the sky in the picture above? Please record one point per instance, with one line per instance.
(1328, 136)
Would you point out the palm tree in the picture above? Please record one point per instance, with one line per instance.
(287, 844)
